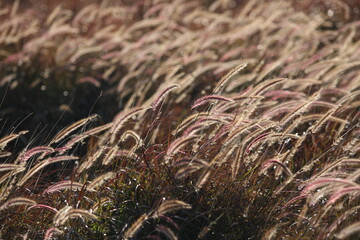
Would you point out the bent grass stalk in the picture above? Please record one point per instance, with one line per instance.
(64, 185)
(68, 212)
(16, 202)
(61, 135)
(43, 164)
(5, 140)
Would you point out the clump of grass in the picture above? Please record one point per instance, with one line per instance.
(269, 150)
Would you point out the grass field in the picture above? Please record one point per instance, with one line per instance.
(159, 119)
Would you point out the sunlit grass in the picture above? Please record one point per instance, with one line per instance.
(184, 120)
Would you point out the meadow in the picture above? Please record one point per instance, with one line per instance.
(160, 119)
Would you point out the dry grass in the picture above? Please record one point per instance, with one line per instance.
(229, 121)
